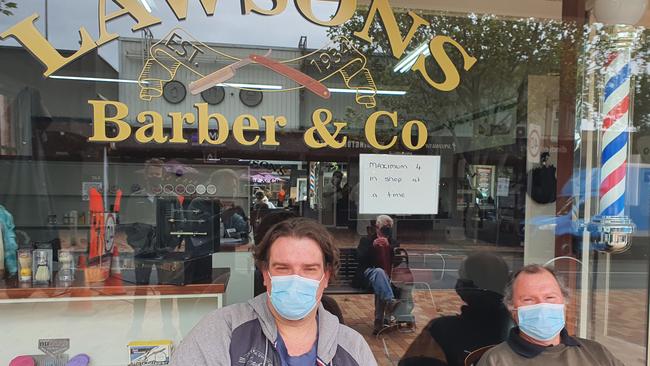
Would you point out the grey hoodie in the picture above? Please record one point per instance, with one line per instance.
(245, 335)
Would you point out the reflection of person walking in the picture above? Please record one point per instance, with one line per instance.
(261, 201)
(282, 194)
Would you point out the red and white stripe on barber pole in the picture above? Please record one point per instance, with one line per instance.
(312, 185)
(614, 145)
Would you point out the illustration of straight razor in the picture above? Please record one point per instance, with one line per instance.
(223, 74)
(299, 77)
(217, 77)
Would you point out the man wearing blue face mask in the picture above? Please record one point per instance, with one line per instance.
(536, 299)
(287, 325)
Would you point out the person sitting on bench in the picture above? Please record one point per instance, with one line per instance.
(375, 254)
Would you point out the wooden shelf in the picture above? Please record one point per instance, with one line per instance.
(114, 286)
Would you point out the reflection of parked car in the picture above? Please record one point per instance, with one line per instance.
(637, 203)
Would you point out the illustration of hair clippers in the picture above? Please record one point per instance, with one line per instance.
(177, 49)
(346, 60)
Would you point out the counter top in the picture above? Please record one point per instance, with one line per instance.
(114, 287)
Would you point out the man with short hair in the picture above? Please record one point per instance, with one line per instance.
(375, 253)
(536, 300)
(286, 325)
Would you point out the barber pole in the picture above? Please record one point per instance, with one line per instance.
(312, 185)
(611, 229)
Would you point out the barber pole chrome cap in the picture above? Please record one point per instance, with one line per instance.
(611, 234)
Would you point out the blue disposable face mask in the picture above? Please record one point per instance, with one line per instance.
(294, 297)
(541, 321)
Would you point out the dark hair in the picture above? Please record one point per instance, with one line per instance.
(486, 271)
(532, 269)
(299, 227)
(268, 221)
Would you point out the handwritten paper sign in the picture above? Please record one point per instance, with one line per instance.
(399, 184)
(503, 187)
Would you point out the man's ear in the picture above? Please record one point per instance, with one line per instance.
(265, 275)
(513, 314)
(326, 276)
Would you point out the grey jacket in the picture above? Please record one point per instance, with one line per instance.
(245, 335)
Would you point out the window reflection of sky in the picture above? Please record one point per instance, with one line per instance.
(227, 25)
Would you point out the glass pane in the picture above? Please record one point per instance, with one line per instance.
(146, 153)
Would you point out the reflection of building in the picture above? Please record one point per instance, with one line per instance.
(231, 105)
(459, 152)
(48, 130)
(462, 149)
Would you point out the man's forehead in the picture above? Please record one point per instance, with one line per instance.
(536, 281)
(292, 250)
(302, 263)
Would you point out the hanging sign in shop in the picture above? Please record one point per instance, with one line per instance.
(86, 186)
(534, 143)
(503, 187)
(399, 184)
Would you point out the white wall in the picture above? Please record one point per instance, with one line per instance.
(539, 242)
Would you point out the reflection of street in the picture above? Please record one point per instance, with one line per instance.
(439, 269)
(625, 336)
(623, 273)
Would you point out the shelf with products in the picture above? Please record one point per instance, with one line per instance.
(54, 227)
(113, 288)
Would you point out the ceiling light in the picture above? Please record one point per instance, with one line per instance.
(108, 80)
(252, 86)
(146, 5)
(362, 91)
(406, 63)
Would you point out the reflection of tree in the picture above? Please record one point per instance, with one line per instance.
(5, 7)
(600, 41)
(508, 50)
